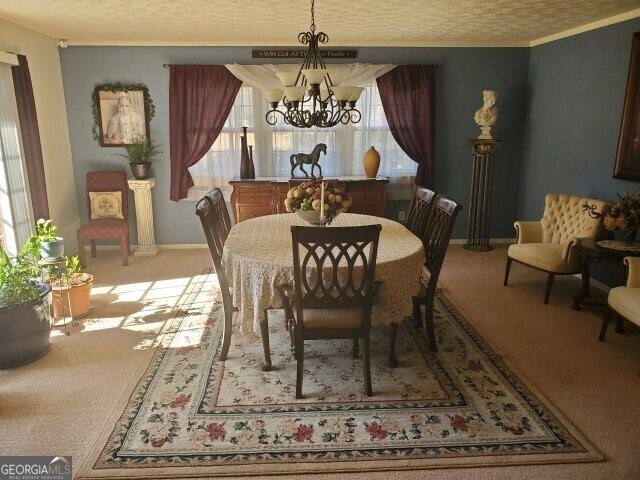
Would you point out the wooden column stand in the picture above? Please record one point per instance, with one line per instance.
(480, 197)
(144, 216)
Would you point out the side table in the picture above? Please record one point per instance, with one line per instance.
(144, 216)
(55, 272)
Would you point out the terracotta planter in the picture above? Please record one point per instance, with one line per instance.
(77, 296)
(24, 332)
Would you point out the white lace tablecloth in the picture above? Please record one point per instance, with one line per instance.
(258, 260)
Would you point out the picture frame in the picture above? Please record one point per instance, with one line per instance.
(121, 114)
(627, 165)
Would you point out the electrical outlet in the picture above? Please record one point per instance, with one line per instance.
(401, 216)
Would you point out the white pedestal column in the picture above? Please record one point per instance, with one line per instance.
(144, 216)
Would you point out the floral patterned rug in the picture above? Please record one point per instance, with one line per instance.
(190, 415)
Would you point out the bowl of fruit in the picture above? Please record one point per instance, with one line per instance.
(306, 200)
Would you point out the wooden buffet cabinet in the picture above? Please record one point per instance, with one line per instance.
(265, 196)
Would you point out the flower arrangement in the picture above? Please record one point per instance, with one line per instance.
(621, 215)
(308, 196)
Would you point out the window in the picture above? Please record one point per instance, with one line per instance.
(15, 213)
(346, 145)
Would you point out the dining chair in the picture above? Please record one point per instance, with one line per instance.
(216, 224)
(435, 239)
(421, 205)
(336, 303)
(108, 211)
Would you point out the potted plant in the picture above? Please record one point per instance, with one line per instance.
(46, 240)
(24, 323)
(71, 298)
(140, 154)
(621, 217)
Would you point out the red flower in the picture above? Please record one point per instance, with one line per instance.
(157, 442)
(458, 423)
(304, 432)
(376, 431)
(475, 365)
(185, 351)
(518, 430)
(210, 321)
(180, 401)
(216, 431)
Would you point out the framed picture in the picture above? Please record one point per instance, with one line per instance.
(121, 114)
(627, 165)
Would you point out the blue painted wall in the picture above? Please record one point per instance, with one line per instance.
(462, 74)
(576, 92)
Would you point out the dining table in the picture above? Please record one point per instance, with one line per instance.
(258, 260)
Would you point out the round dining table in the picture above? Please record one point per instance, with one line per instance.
(258, 260)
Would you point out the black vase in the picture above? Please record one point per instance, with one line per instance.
(246, 162)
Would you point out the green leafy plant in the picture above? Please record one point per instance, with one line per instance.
(18, 275)
(46, 230)
(143, 151)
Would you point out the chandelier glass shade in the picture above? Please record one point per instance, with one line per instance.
(310, 97)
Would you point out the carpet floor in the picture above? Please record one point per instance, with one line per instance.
(188, 415)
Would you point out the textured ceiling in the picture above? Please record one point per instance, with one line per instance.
(278, 22)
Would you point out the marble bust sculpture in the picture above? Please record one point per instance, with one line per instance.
(487, 115)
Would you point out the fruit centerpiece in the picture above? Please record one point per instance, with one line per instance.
(306, 199)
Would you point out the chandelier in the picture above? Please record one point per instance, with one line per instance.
(309, 96)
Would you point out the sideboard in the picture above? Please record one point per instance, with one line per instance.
(265, 196)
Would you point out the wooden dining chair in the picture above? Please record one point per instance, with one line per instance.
(216, 224)
(337, 302)
(436, 241)
(421, 205)
(108, 211)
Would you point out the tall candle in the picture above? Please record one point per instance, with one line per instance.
(322, 200)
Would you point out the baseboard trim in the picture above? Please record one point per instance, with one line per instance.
(492, 241)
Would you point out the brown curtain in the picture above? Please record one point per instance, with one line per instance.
(30, 137)
(200, 99)
(408, 98)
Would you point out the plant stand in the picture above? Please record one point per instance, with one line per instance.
(56, 274)
(144, 216)
(480, 196)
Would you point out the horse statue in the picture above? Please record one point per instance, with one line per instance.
(299, 159)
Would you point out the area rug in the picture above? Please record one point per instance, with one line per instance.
(190, 415)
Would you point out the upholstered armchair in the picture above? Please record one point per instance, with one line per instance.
(625, 300)
(547, 245)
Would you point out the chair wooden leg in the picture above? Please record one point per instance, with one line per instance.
(81, 252)
(393, 334)
(429, 327)
(506, 271)
(226, 334)
(124, 251)
(605, 323)
(417, 311)
(355, 349)
(299, 364)
(93, 248)
(366, 366)
(264, 332)
(550, 278)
